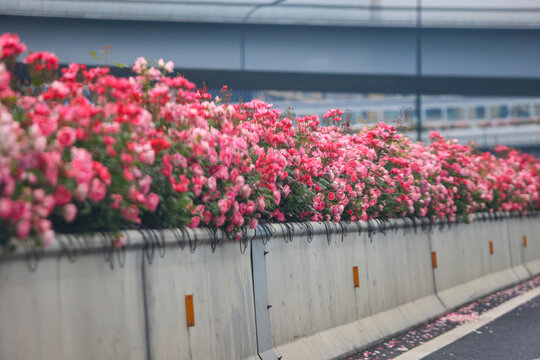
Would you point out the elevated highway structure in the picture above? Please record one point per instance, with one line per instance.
(482, 47)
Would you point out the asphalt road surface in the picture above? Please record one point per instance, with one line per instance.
(515, 335)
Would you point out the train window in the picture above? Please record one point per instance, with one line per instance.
(368, 116)
(434, 114)
(408, 116)
(520, 110)
(478, 112)
(455, 113)
(392, 115)
(537, 109)
(498, 111)
(350, 116)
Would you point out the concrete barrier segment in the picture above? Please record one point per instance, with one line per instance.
(130, 302)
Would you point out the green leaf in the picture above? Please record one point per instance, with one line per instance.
(37, 80)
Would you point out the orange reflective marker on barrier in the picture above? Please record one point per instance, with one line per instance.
(190, 315)
(434, 259)
(491, 247)
(524, 240)
(355, 276)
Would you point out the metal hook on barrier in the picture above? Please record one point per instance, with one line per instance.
(191, 241)
(268, 232)
(359, 226)
(309, 230)
(32, 255)
(289, 236)
(161, 242)
(69, 246)
(328, 230)
(263, 230)
(343, 229)
(121, 252)
(148, 248)
(392, 225)
(431, 224)
(157, 241)
(244, 242)
(212, 235)
(382, 226)
(107, 248)
(406, 225)
(424, 225)
(414, 225)
(178, 236)
(370, 229)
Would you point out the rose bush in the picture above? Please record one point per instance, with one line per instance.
(82, 150)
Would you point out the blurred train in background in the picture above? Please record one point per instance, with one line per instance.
(485, 121)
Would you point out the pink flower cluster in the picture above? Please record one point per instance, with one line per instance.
(10, 46)
(42, 60)
(93, 152)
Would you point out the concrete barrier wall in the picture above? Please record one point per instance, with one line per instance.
(527, 259)
(466, 269)
(532, 251)
(87, 310)
(310, 288)
(317, 313)
(289, 295)
(64, 310)
(400, 273)
(222, 290)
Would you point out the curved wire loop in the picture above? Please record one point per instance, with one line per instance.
(32, 255)
(328, 229)
(370, 229)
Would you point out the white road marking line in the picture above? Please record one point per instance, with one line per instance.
(447, 338)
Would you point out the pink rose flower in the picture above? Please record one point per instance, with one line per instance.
(144, 184)
(224, 205)
(147, 157)
(116, 201)
(237, 219)
(131, 213)
(212, 183)
(245, 191)
(250, 207)
(66, 136)
(286, 190)
(119, 241)
(98, 190)
(253, 223)
(23, 229)
(61, 196)
(222, 173)
(47, 237)
(219, 221)
(277, 197)
(261, 203)
(207, 217)
(6, 208)
(194, 222)
(81, 164)
(70, 212)
(152, 202)
(225, 156)
(81, 192)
